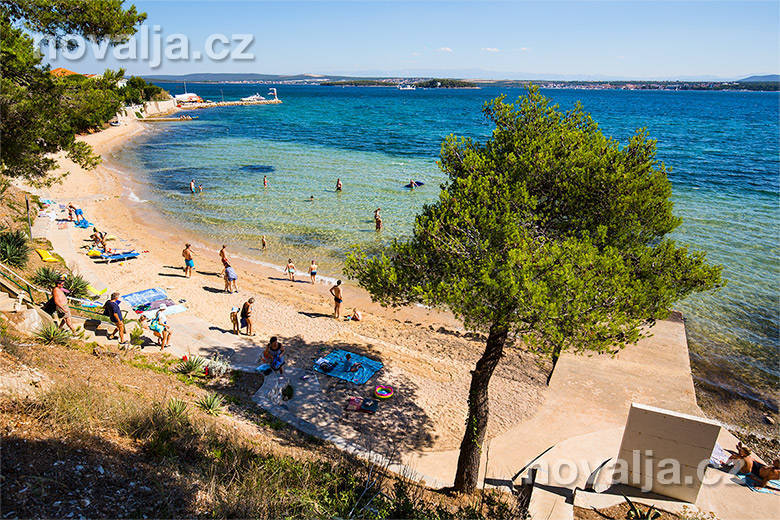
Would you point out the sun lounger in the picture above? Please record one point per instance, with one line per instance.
(120, 256)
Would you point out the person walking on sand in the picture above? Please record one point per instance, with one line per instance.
(262, 242)
(192, 186)
(338, 184)
(59, 296)
(189, 263)
(114, 313)
(290, 269)
(246, 316)
(313, 271)
(265, 181)
(336, 292)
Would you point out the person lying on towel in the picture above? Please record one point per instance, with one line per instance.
(746, 464)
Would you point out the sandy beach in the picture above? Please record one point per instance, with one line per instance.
(426, 355)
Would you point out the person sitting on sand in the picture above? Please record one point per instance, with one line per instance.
(189, 262)
(313, 271)
(159, 327)
(274, 355)
(336, 292)
(246, 316)
(234, 321)
(355, 316)
(338, 184)
(290, 269)
(743, 458)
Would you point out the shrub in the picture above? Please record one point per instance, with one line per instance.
(177, 410)
(14, 250)
(137, 336)
(50, 334)
(217, 365)
(190, 365)
(46, 277)
(211, 404)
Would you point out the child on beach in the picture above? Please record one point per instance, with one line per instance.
(378, 219)
(336, 292)
(313, 271)
(290, 269)
(234, 321)
(189, 263)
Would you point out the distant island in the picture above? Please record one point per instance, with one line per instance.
(386, 82)
(768, 82)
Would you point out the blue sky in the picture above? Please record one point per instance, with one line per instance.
(589, 40)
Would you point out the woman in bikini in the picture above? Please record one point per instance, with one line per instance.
(290, 269)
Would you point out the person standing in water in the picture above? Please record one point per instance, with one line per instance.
(290, 269)
(262, 242)
(313, 271)
(192, 186)
(378, 219)
(189, 263)
(336, 292)
(338, 184)
(265, 181)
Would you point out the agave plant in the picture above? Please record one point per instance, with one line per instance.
(14, 250)
(211, 404)
(50, 334)
(46, 277)
(190, 365)
(77, 285)
(177, 409)
(634, 513)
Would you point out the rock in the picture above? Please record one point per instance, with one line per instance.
(101, 352)
(768, 419)
(100, 470)
(27, 320)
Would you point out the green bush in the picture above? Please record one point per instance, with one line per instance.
(76, 284)
(46, 277)
(51, 334)
(14, 250)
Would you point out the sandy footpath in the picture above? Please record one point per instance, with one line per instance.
(424, 352)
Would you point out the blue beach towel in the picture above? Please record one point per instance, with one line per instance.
(145, 297)
(338, 359)
(749, 482)
(83, 224)
(120, 256)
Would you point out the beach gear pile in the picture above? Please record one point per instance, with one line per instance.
(355, 369)
(149, 301)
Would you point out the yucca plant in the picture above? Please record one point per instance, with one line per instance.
(211, 404)
(177, 409)
(46, 277)
(50, 334)
(14, 250)
(190, 365)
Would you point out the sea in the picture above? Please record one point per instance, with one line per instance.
(722, 150)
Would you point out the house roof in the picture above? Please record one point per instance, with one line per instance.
(61, 71)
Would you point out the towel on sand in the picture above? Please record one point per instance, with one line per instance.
(338, 359)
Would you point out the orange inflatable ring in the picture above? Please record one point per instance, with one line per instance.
(383, 392)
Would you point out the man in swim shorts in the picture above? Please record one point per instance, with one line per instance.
(59, 295)
(336, 292)
(313, 271)
(246, 316)
(189, 263)
(192, 186)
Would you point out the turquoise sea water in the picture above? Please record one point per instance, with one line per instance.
(723, 148)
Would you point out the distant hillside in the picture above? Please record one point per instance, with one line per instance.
(239, 76)
(766, 78)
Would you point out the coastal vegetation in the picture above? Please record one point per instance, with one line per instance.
(358, 83)
(445, 83)
(549, 234)
(41, 114)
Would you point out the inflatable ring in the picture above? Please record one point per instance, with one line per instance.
(383, 392)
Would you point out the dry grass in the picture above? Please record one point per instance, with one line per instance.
(115, 438)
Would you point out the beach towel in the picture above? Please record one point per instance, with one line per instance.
(748, 481)
(83, 224)
(144, 297)
(338, 359)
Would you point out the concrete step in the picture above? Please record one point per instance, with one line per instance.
(550, 503)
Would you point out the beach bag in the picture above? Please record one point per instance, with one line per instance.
(49, 307)
(156, 326)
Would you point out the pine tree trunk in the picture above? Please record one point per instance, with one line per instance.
(556, 355)
(467, 475)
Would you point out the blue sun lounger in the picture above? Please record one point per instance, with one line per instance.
(120, 256)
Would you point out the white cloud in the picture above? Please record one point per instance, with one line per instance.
(445, 49)
(490, 49)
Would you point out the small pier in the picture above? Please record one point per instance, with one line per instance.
(195, 106)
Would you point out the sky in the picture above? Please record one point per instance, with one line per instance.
(470, 39)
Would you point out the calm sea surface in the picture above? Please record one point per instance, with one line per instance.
(723, 148)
